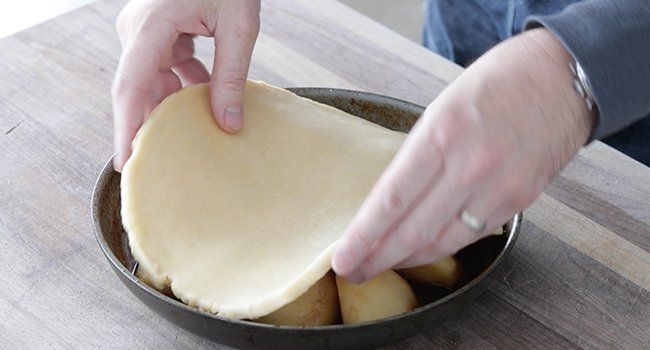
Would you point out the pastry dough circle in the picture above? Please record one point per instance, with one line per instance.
(241, 225)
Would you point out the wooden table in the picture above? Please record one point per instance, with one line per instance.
(579, 276)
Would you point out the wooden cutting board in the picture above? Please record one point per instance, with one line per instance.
(579, 276)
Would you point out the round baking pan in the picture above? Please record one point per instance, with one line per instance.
(480, 261)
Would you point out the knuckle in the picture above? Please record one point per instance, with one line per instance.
(436, 142)
(148, 20)
(485, 161)
(361, 239)
(392, 201)
(118, 84)
(123, 18)
(149, 15)
(234, 80)
(137, 14)
(248, 28)
(121, 84)
(442, 138)
(451, 129)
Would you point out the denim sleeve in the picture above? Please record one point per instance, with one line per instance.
(611, 41)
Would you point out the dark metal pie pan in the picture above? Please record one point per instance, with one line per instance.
(480, 261)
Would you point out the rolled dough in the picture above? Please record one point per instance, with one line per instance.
(241, 225)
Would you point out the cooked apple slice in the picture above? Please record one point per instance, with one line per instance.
(444, 272)
(318, 306)
(386, 295)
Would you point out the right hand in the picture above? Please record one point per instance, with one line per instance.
(158, 59)
(487, 146)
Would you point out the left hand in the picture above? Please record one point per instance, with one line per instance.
(158, 59)
(487, 145)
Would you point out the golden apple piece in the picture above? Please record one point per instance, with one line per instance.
(498, 231)
(444, 272)
(318, 306)
(386, 295)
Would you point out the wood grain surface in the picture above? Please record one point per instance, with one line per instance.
(579, 276)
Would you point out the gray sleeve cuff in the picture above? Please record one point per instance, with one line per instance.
(611, 41)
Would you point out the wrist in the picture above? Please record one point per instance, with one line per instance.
(556, 63)
(524, 87)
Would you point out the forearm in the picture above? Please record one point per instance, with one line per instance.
(611, 41)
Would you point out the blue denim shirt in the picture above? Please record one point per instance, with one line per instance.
(610, 40)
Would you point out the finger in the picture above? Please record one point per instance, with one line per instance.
(455, 237)
(234, 42)
(127, 115)
(415, 167)
(420, 163)
(474, 186)
(191, 72)
(458, 234)
(182, 50)
(189, 69)
(136, 72)
(420, 228)
(165, 84)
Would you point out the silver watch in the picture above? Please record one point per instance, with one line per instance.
(581, 84)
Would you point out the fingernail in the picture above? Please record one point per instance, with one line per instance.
(118, 163)
(233, 118)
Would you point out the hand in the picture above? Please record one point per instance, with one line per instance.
(158, 58)
(488, 145)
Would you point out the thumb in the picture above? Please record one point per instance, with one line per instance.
(234, 42)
